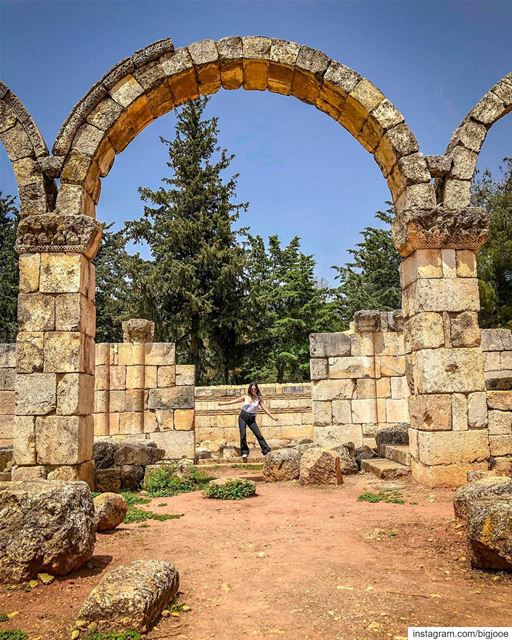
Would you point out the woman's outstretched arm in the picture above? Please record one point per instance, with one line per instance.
(239, 399)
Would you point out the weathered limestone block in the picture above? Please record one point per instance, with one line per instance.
(185, 374)
(449, 370)
(206, 61)
(131, 354)
(25, 440)
(46, 526)
(7, 355)
(230, 60)
(75, 394)
(29, 272)
(29, 352)
(36, 312)
(132, 477)
(184, 419)
(177, 444)
(496, 339)
(456, 194)
(64, 273)
(500, 400)
(449, 475)
(131, 596)
(397, 435)
(486, 487)
(75, 312)
(65, 352)
(331, 436)
(84, 472)
(171, 398)
(340, 389)
(464, 329)
(500, 422)
(283, 55)
(364, 411)
(424, 331)
(282, 465)
(136, 453)
(64, 439)
(163, 376)
(320, 466)
(135, 378)
(36, 394)
(182, 79)
(477, 410)
(351, 367)
(489, 533)
(159, 353)
(454, 295)
(138, 330)
(453, 447)
(108, 480)
(347, 454)
(110, 510)
(360, 101)
(323, 345)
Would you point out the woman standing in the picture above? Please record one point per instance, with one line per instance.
(247, 418)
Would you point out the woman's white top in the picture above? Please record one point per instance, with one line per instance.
(251, 406)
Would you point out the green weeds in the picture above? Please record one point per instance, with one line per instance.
(393, 497)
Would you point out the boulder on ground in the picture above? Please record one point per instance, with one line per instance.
(364, 453)
(399, 434)
(347, 454)
(320, 466)
(132, 477)
(281, 465)
(492, 486)
(131, 596)
(46, 526)
(110, 509)
(489, 532)
(137, 453)
(108, 480)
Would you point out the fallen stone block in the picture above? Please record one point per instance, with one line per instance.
(347, 454)
(391, 435)
(110, 510)
(131, 596)
(108, 480)
(489, 532)
(137, 453)
(320, 466)
(45, 526)
(486, 487)
(132, 477)
(282, 465)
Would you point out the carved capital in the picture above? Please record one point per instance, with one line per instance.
(138, 330)
(440, 229)
(52, 232)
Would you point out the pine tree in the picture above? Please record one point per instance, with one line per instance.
(195, 276)
(8, 269)
(372, 279)
(495, 257)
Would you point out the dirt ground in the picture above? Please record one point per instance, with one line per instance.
(294, 563)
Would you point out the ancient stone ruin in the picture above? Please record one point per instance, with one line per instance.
(436, 230)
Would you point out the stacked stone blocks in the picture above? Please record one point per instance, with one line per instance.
(7, 385)
(141, 392)
(358, 382)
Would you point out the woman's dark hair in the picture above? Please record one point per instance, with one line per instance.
(258, 392)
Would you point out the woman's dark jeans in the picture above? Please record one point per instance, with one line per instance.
(249, 420)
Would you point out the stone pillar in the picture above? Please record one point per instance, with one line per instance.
(444, 362)
(55, 347)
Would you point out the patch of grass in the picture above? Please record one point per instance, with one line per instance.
(13, 635)
(393, 497)
(248, 467)
(141, 515)
(236, 489)
(166, 482)
(134, 498)
(113, 635)
(4, 617)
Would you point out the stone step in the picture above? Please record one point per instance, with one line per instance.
(385, 469)
(5, 476)
(398, 453)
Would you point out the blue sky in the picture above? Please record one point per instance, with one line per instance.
(301, 172)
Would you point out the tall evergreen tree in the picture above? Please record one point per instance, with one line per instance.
(195, 276)
(8, 269)
(372, 279)
(495, 257)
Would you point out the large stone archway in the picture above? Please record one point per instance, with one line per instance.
(435, 230)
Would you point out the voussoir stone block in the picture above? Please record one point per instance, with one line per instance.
(46, 526)
(131, 596)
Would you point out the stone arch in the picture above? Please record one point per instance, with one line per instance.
(467, 141)
(28, 154)
(159, 77)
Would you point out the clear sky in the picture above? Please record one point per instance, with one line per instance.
(302, 173)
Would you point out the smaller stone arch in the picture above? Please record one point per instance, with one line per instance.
(467, 141)
(28, 154)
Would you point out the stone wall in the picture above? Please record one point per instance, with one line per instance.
(141, 393)
(7, 381)
(497, 348)
(358, 381)
(217, 432)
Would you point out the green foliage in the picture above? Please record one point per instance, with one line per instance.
(372, 280)
(16, 634)
(8, 269)
(114, 635)
(140, 515)
(495, 257)
(195, 276)
(134, 498)
(4, 617)
(286, 304)
(236, 489)
(166, 482)
(382, 496)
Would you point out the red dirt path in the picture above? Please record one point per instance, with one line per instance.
(294, 563)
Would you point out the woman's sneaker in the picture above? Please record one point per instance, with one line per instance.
(244, 458)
